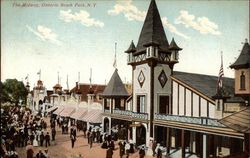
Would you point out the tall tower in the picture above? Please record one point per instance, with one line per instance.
(152, 61)
(242, 73)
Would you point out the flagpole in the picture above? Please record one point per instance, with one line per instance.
(115, 64)
(90, 78)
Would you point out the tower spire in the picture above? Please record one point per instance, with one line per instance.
(152, 31)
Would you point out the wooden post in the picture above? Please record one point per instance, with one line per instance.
(247, 143)
(168, 145)
(182, 143)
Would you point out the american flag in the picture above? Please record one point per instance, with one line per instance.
(221, 74)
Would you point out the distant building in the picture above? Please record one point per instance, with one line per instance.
(84, 89)
(179, 110)
(39, 95)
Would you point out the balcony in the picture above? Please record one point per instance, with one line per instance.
(204, 121)
(128, 114)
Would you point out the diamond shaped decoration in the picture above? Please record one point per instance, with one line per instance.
(162, 78)
(141, 78)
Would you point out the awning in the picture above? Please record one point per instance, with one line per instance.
(53, 108)
(79, 113)
(60, 109)
(93, 116)
(239, 121)
(67, 111)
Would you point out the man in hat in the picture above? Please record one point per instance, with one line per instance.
(41, 139)
(47, 139)
(142, 152)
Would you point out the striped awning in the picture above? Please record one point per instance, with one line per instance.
(79, 113)
(52, 108)
(59, 110)
(67, 111)
(93, 116)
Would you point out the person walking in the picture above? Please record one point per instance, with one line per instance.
(41, 138)
(73, 139)
(127, 149)
(39, 154)
(121, 149)
(47, 139)
(109, 153)
(53, 133)
(142, 152)
(90, 140)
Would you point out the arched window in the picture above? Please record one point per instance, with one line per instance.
(242, 81)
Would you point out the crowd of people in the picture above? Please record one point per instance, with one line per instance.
(20, 128)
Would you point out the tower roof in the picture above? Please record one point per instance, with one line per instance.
(131, 48)
(115, 87)
(243, 60)
(152, 32)
(173, 45)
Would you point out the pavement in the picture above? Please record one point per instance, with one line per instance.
(62, 147)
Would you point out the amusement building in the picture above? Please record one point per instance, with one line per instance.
(194, 114)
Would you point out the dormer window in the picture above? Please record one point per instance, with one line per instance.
(175, 55)
(242, 81)
(152, 51)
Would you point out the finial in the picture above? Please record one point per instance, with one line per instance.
(246, 41)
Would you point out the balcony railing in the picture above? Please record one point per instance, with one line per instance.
(106, 111)
(188, 119)
(130, 114)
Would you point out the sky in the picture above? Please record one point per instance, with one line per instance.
(75, 37)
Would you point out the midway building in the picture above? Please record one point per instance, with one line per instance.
(179, 110)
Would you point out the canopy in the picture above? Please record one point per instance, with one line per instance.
(79, 113)
(93, 116)
(52, 108)
(67, 111)
(239, 121)
(59, 110)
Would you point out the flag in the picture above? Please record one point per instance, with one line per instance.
(220, 76)
(39, 72)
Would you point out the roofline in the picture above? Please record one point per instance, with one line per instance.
(193, 89)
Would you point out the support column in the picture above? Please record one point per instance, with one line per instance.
(134, 134)
(247, 143)
(109, 126)
(182, 143)
(168, 145)
(204, 146)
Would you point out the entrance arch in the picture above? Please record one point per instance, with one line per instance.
(140, 135)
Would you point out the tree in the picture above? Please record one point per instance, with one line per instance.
(13, 91)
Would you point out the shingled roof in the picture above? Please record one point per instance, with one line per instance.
(239, 121)
(115, 87)
(207, 84)
(131, 48)
(243, 60)
(152, 31)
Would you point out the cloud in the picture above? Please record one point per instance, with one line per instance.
(130, 11)
(172, 28)
(45, 34)
(201, 24)
(83, 17)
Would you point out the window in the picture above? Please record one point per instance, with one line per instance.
(242, 81)
(141, 103)
(164, 104)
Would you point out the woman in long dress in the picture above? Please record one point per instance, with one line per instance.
(35, 142)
